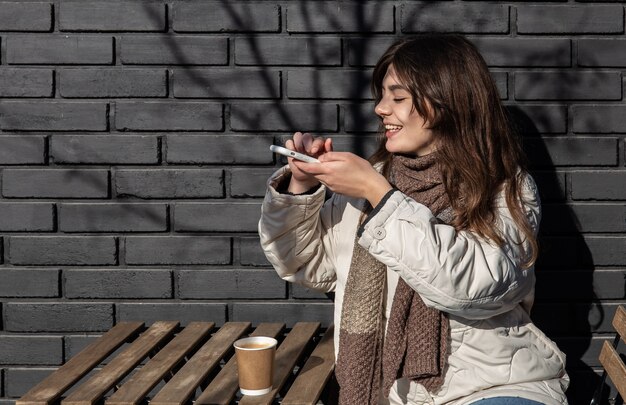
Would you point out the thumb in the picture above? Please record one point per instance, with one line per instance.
(332, 156)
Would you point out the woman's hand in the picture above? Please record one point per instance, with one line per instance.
(305, 143)
(348, 174)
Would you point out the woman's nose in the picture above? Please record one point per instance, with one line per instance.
(381, 109)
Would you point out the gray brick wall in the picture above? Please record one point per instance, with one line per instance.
(134, 143)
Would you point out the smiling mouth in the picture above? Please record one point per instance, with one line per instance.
(391, 130)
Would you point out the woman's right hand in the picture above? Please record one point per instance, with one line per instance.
(307, 144)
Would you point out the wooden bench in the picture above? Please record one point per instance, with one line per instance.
(197, 358)
(610, 359)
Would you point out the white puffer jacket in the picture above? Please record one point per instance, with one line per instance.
(495, 348)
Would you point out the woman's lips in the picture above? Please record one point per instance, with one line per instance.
(392, 130)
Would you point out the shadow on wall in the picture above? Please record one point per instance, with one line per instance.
(564, 271)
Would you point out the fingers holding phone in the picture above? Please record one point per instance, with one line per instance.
(306, 144)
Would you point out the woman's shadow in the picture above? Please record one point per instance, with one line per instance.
(565, 297)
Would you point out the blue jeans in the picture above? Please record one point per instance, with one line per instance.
(506, 401)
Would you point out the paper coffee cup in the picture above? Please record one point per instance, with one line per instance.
(255, 364)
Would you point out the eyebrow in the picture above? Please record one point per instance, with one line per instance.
(394, 87)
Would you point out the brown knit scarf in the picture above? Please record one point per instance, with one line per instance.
(416, 343)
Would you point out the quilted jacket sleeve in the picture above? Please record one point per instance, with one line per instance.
(455, 272)
(297, 237)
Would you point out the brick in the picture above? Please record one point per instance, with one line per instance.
(327, 16)
(170, 183)
(22, 149)
(168, 116)
(60, 50)
(501, 80)
(62, 250)
(581, 285)
(27, 283)
(366, 51)
(176, 311)
(563, 252)
(536, 119)
(599, 118)
(608, 284)
(104, 149)
(226, 83)
(55, 183)
(572, 218)
(329, 84)
(24, 16)
(74, 344)
(249, 182)
(113, 217)
(31, 350)
(167, 50)
(567, 151)
(526, 52)
(551, 185)
(598, 185)
(281, 51)
(602, 52)
(112, 16)
(219, 149)
(53, 116)
(116, 284)
(598, 319)
(570, 318)
(168, 250)
(453, 17)
(568, 86)
(18, 381)
(231, 283)
(288, 313)
(216, 16)
(217, 217)
(112, 82)
(251, 253)
(300, 292)
(576, 253)
(26, 217)
(24, 82)
(361, 118)
(561, 19)
(58, 317)
(286, 117)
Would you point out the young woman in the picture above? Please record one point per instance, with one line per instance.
(429, 245)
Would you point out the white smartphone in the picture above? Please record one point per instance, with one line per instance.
(290, 153)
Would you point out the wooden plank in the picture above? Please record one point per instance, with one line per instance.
(287, 355)
(614, 366)
(140, 384)
(53, 386)
(187, 379)
(311, 380)
(619, 322)
(95, 388)
(224, 386)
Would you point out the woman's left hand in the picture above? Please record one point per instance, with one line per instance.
(348, 174)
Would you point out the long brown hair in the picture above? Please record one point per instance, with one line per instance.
(478, 151)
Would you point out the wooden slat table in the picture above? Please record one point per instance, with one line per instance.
(195, 364)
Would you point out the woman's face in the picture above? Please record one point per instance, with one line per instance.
(405, 129)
